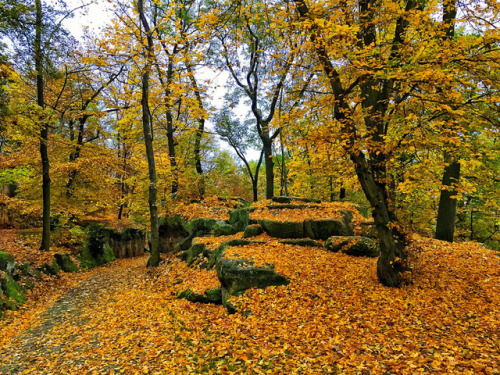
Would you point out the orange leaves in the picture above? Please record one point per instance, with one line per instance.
(334, 317)
(309, 211)
(210, 208)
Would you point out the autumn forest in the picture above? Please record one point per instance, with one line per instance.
(233, 187)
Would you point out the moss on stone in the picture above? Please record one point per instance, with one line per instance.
(223, 229)
(200, 225)
(282, 229)
(51, 269)
(12, 290)
(7, 262)
(190, 255)
(96, 250)
(239, 219)
(252, 231)
(65, 262)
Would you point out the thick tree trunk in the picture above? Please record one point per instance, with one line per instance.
(44, 132)
(388, 266)
(154, 258)
(447, 210)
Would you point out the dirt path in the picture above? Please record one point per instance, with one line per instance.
(39, 345)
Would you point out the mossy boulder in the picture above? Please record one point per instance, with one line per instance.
(173, 231)
(219, 251)
(96, 250)
(7, 262)
(314, 229)
(185, 243)
(280, 229)
(12, 294)
(223, 229)
(214, 295)
(200, 226)
(130, 234)
(238, 275)
(322, 229)
(127, 243)
(210, 296)
(252, 230)
(51, 269)
(65, 262)
(355, 246)
(239, 219)
(189, 256)
(302, 242)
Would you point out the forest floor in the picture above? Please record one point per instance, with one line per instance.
(334, 317)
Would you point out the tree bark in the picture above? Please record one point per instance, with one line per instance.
(199, 132)
(267, 146)
(447, 209)
(170, 130)
(154, 258)
(370, 172)
(44, 132)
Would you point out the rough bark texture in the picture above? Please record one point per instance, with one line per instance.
(154, 259)
(44, 132)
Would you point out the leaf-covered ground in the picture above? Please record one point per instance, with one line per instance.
(334, 317)
(307, 211)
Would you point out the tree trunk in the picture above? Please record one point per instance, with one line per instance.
(122, 182)
(199, 132)
(154, 258)
(388, 267)
(44, 132)
(447, 210)
(370, 174)
(170, 130)
(267, 146)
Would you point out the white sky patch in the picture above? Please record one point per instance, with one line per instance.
(94, 16)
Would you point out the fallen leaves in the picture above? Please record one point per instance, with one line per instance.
(210, 208)
(304, 211)
(334, 317)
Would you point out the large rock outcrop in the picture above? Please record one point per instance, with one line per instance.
(314, 229)
(238, 275)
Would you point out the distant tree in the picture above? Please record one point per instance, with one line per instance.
(239, 136)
